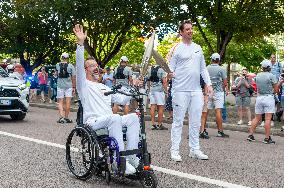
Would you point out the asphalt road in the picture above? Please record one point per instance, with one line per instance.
(28, 163)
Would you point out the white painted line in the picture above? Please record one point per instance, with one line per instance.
(197, 178)
(156, 168)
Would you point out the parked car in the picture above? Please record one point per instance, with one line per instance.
(14, 96)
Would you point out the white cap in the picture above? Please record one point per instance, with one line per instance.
(10, 67)
(65, 55)
(124, 58)
(215, 57)
(266, 63)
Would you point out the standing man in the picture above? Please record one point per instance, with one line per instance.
(66, 83)
(122, 76)
(267, 86)
(242, 86)
(218, 76)
(187, 63)
(157, 81)
(276, 69)
(108, 78)
(43, 79)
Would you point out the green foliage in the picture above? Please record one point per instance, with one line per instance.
(31, 30)
(250, 53)
(133, 49)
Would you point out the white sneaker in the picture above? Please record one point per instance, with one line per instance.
(129, 168)
(197, 154)
(249, 123)
(262, 124)
(134, 161)
(175, 156)
(240, 122)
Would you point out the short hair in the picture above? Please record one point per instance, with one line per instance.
(88, 59)
(181, 26)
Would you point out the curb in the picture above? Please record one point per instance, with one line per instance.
(227, 126)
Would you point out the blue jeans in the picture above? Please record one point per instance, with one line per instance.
(224, 110)
(54, 94)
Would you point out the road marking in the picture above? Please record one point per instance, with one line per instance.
(156, 168)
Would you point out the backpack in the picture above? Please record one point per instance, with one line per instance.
(63, 73)
(154, 74)
(119, 73)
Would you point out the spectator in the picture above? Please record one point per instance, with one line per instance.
(43, 79)
(265, 103)
(158, 86)
(276, 71)
(53, 86)
(108, 78)
(65, 87)
(122, 76)
(33, 89)
(203, 133)
(243, 88)
(169, 105)
(218, 77)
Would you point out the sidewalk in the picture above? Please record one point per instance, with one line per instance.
(276, 130)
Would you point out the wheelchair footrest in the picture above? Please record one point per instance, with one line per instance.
(130, 152)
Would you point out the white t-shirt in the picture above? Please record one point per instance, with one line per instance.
(187, 63)
(94, 102)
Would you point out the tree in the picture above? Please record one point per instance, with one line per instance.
(242, 20)
(109, 24)
(31, 30)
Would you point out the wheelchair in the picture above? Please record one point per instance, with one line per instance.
(93, 152)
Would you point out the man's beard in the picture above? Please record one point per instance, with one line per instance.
(95, 76)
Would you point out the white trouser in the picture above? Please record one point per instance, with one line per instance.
(183, 101)
(114, 124)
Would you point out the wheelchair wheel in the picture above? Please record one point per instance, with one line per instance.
(80, 155)
(148, 179)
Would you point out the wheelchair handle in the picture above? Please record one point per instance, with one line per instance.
(109, 93)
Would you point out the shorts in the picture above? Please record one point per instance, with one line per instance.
(62, 93)
(205, 105)
(282, 102)
(243, 101)
(216, 101)
(265, 104)
(121, 99)
(43, 88)
(157, 98)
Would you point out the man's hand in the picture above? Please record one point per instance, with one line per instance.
(79, 32)
(73, 91)
(171, 75)
(209, 90)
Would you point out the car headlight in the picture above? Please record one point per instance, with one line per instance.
(22, 86)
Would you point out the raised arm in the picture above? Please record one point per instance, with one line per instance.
(81, 75)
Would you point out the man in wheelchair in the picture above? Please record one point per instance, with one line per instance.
(97, 112)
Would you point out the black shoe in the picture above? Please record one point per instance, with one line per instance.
(278, 115)
(268, 141)
(68, 120)
(251, 138)
(154, 127)
(205, 132)
(203, 135)
(222, 134)
(161, 127)
(61, 120)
